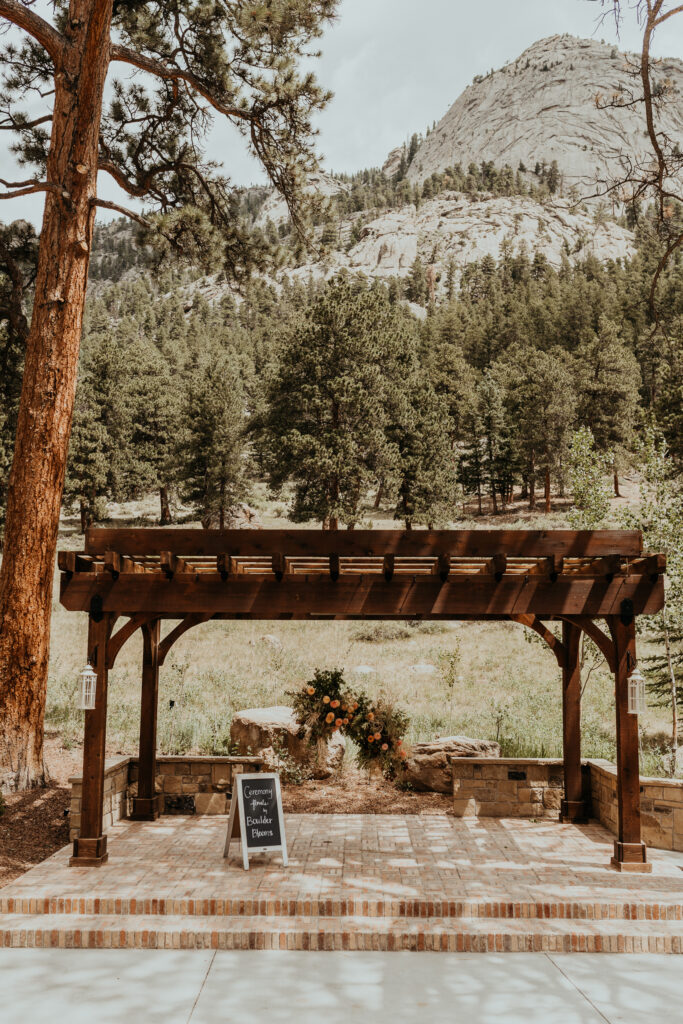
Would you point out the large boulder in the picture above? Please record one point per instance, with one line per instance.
(428, 768)
(268, 731)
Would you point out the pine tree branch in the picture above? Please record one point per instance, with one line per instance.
(109, 167)
(176, 74)
(40, 30)
(25, 188)
(18, 126)
(105, 204)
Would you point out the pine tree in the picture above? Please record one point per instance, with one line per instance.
(416, 285)
(609, 382)
(147, 132)
(427, 467)
(338, 381)
(660, 518)
(212, 455)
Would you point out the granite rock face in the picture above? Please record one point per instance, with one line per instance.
(542, 107)
(265, 732)
(428, 768)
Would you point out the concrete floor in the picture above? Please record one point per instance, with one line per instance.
(272, 987)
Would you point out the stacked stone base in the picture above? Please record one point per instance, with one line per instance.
(507, 787)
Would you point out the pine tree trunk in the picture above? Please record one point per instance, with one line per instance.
(49, 384)
(616, 485)
(166, 517)
(84, 517)
(380, 492)
(547, 490)
(532, 481)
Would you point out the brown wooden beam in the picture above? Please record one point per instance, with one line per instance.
(299, 595)
(187, 623)
(630, 852)
(90, 848)
(146, 803)
(415, 543)
(600, 639)
(124, 633)
(334, 567)
(388, 567)
(555, 645)
(572, 808)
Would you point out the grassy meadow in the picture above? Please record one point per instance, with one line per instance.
(488, 680)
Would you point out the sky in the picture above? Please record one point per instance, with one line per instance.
(396, 66)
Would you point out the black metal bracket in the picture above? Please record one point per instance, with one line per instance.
(627, 614)
(96, 609)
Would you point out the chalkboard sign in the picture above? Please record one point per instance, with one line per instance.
(256, 816)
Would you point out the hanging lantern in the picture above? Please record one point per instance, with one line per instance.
(636, 693)
(88, 687)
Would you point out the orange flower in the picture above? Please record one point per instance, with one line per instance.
(403, 753)
(355, 705)
(343, 707)
(346, 721)
(329, 718)
(399, 742)
(334, 704)
(326, 700)
(370, 738)
(385, 746)
(310, 691)
(338, 722)
(378, 735)
(371, 716)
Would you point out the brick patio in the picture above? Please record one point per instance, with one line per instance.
(354, 882)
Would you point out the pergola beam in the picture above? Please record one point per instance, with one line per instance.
(273, 595)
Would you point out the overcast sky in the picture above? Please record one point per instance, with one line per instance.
(395, 66)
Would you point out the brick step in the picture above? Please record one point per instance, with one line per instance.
(574, 910)
(327, 933)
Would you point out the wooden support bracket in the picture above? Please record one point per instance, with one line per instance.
(388, 567)
(187, 623)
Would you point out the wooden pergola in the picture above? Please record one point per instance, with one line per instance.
(525, 576)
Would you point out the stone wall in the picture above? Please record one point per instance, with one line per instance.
(507, 787)
(187, 785)
(116, 796)
(661, 805)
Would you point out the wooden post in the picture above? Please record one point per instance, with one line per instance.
(90, 848)
(146, 803)
(572, 808)
(630, 852)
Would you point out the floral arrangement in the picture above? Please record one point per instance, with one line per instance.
(326, 704)
(378, 732)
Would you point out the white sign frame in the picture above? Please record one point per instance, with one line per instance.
(237, 806)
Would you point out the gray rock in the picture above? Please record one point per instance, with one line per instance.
(427, 767)
(265, 731)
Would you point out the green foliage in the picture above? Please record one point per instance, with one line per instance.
(660, 517)
(330, 398)
(212, 453)
(586, 468)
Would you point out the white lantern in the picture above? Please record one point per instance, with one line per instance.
(88, 687)
(636, 693)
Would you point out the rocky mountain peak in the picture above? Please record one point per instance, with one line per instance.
(542, 107)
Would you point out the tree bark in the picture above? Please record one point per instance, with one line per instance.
(617, 493)
(166, 517)
(45, 411)
(547, 490)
